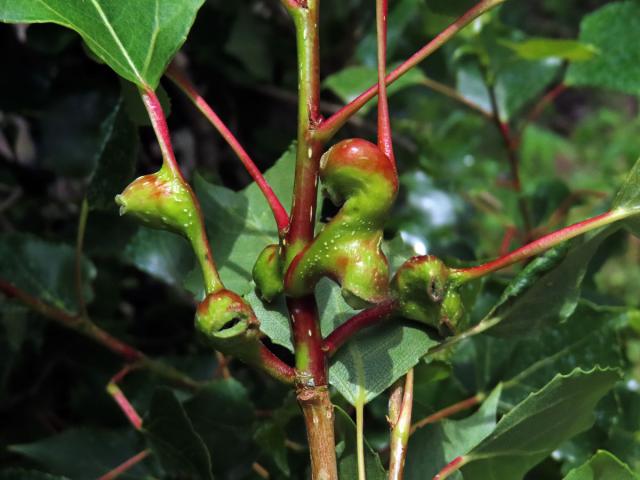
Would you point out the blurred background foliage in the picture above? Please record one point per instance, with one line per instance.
(59, 109)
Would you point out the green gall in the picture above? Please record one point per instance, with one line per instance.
(160, 200)
(267, 273)
(358, 176)
(422, 289)
(228, 323)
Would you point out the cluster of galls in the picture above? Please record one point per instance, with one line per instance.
(357, 176)
(165, 201)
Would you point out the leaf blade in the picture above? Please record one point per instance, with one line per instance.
(136, 39)
(532, 429)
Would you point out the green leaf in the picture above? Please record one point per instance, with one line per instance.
(452, 8)
(74, 133)
(222, 416)
(352, 81)
(332, 308)
(552, 297)
(529, 432)
(272, 440)
(376, 357)
(587, 339)
(613, 31)
(435, 445)
(602, 466)
(20, 474)
(83, 454)
(163, 255)
(136, 39)
(533, 272)
(347, 451)
(542, 48)
(116, 160)
(517, 82)
(274, 321)
(248, 43)
(43, 269)
(173, 437)
(401, 14)
(628, 197)
(240, 224)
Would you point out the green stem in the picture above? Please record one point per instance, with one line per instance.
(309, 150)
(198, 237)
(362, 469)
(401, 406)
(310, 359)
(82, 225)
(311, 364)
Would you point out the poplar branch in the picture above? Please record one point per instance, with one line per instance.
(86, 327)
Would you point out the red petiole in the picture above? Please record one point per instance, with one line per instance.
(385, 140)
(540, 245)
(279, 213)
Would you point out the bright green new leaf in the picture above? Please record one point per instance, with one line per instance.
(545, 419)
(613, 30)
(137, 38)
(602, 466)
(541, 48)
